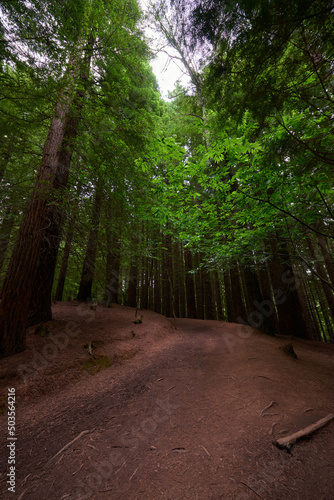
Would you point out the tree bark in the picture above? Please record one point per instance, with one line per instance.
(230, 315)
(18, 286)
(167, 284)
(5, 232)
(113, 258)
(132, 288)
(210, 308)
(199, 286)
(40, 305)
(65, 258)
(239, 310)
(290, 313)
(190, 286)
(260, 310)
(88, 268)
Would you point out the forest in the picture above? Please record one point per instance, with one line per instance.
(214, 204)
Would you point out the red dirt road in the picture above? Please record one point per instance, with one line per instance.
(191, 416)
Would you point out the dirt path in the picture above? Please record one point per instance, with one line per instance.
(185, 420)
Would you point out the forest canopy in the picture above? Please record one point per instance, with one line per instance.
(215, 204)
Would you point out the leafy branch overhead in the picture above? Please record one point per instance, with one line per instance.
(217, 203)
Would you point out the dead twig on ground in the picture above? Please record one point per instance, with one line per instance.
(133, 474)
(67, 446)
(206, 451)
(267, 408)
(263, 376)
(81, 466)
(256, 493)
(22, 494)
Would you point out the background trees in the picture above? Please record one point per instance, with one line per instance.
(216, 205)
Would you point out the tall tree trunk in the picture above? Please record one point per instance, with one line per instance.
(199, 287)
(157, 285)
(260, 310)
(113, 265)
(6, 227)
(145, 282)
(239, 310)
(65, 258)
(182, 283)
(230, 314)
(176, 278)
(113, 242)
(190, 285)
(132, 288)
(40, 304)
(327, 257)
(88, 268)
(19, 283)
(311, 304)
(268, 306)
(167, 272)
(325, 280)
(210, 308)
(290, 312)
(217, 295)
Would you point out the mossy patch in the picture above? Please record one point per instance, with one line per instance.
(95, 364)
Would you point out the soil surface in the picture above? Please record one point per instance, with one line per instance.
(109, 409)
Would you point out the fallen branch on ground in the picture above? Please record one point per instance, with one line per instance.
(288, 441)
(267, 408)
(67, 446)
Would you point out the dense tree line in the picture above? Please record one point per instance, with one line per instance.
(216, 205)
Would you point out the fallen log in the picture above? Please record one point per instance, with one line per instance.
(288, 441)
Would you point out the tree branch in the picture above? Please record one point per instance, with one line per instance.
(287, 213)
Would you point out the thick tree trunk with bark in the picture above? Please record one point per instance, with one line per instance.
(18, 286)
(40, 305)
